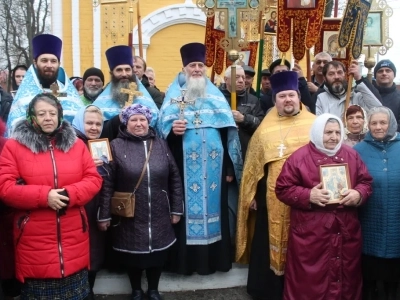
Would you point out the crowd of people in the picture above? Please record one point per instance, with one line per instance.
(297, 183)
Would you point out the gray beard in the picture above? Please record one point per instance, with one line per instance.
(92, 93)
(117, 96)
(196, 88)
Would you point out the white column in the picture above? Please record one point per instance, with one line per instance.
(76, 44)
(57, 20)
(97, 37)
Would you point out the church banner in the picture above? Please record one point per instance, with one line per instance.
(300, 20)
(351, 31)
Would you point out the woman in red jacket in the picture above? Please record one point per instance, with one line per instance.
(58, 178)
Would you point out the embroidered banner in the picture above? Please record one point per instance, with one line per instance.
(351, 31)
(300, 20)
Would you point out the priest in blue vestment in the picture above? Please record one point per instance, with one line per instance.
(198, 124)
(115, 95)
(42, 74)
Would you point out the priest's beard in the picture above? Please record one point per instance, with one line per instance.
(46, 79)
(196, 87)
(337, 87)
(117, 85)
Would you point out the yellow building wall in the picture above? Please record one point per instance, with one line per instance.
(67, 56)
(164, 55)
(86, 35)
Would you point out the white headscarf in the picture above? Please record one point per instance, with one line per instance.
(317, 133)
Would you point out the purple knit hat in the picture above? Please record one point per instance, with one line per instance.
(136, 109)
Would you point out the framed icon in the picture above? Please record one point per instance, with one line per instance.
(373, 29)
(271, 24)
(335, 179)
(99, 148)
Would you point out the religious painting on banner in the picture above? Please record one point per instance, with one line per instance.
(373, 29)
(328, 41)
(299, 25)
(271, 23)
(215, 55)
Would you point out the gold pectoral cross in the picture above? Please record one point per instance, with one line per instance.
(132, 92)
(54, 89)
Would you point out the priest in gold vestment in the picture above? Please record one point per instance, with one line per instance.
(263, 221)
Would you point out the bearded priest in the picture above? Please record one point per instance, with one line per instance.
(45, 76)
(198, 124)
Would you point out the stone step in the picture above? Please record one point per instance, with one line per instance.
(111, 283)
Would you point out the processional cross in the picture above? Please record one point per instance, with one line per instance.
(232, 6)
(132, 92)
(181, 102)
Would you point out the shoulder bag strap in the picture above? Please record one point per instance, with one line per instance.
(144, 167)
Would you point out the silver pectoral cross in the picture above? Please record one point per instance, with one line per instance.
(281, 147)
(182, 103)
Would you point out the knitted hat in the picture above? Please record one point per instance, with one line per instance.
(93, 72)
(46, 44)
(136, 109)
(119, 55)
(193, 52)
(385, 63)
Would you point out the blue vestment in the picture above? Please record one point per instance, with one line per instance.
(111, 108)
(30, 87)
(203, 154)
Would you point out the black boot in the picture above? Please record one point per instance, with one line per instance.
(137, 295)
(153, 295)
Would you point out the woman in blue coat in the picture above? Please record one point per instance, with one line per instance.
(380, 217)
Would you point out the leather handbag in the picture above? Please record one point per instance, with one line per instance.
(122, 203)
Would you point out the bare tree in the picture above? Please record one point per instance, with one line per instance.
(20, 21)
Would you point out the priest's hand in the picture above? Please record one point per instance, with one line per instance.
(253, 205)
(179, 127)
(350, 198)
(103, 226)
(237, 116)
(175, 219)
(319, 196)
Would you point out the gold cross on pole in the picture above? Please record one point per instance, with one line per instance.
(54, 89)
(132, 92)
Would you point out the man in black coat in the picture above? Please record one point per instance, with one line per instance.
(384, 73)
(139, 68)
(248, 113)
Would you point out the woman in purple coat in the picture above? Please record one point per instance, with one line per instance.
(324, 248)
